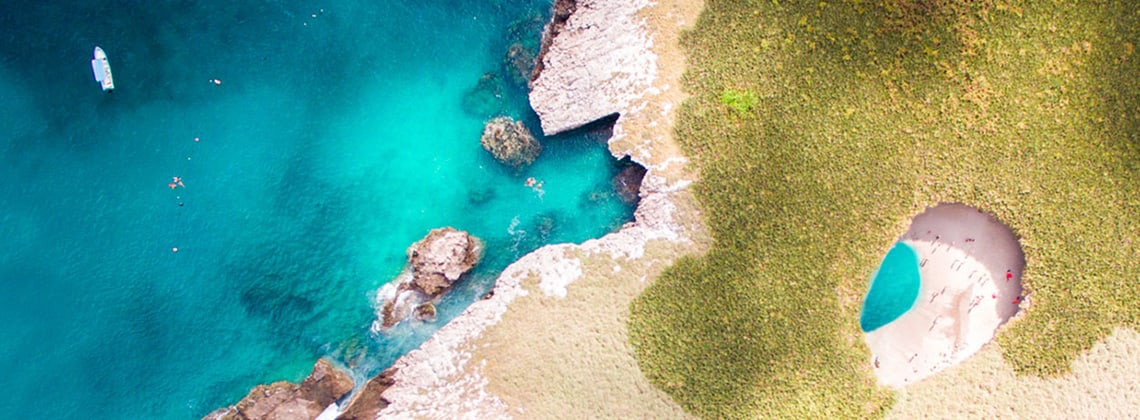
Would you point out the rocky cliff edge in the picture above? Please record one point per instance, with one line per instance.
(593, 64)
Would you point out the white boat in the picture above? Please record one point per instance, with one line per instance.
(102, 69)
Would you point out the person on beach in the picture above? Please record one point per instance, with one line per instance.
(1008, 275)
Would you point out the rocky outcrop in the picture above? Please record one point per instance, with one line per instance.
(594, 62)
(288, 401)
(434, 263)
(367, 403)
(441, 257)
(525, 43)
(510, 142)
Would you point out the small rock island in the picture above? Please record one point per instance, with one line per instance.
(435, 263)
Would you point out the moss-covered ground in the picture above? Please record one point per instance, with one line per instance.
(821, 127)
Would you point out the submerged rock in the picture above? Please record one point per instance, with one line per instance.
(544, 225)
(519, 62)
(480, 195)
(524, 46)
(285, 401)
(527, 28)
(510, 142)
(504, 88)
(435, 263)
(487, 98)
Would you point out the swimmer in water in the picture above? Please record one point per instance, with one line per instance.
(530, 182)
(172, 185)
(538, 188)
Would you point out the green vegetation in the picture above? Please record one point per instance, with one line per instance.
(741, 102)
(869, 112)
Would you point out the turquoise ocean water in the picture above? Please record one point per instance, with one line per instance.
(341, 133)
(894, 288)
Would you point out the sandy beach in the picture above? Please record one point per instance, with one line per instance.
(970, 265)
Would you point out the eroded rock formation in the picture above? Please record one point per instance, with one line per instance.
(287, 401)
(367, 403)
(595, 61)
(561, 14)
(434, 263)
(510, 142)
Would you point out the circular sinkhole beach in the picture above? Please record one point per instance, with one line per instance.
(941, 293)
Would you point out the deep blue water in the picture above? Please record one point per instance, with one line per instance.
(333, 142)
(894, 288)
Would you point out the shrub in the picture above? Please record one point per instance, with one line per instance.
(742, 102)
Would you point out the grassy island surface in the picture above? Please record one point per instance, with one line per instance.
(821, 128)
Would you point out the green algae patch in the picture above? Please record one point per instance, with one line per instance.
(868, 113)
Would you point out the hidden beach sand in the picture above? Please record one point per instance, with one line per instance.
(965, 295)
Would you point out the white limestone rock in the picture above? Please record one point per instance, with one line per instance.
(597, 64)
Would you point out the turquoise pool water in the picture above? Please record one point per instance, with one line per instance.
(894, 288)
(341, 133)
